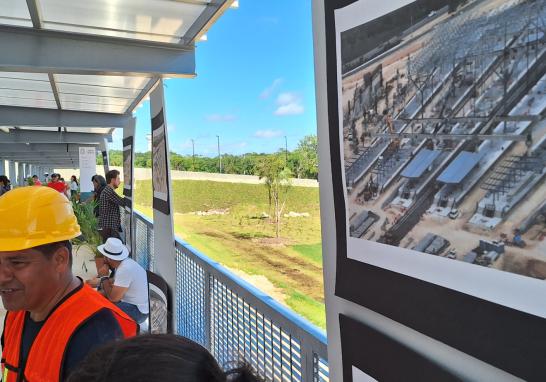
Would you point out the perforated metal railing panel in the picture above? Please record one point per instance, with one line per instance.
(142, 244)
(190, 298)
(239, 331)
(236, 321)
(321, 371)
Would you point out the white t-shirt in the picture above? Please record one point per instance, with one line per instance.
(73, 186)
(131, 275)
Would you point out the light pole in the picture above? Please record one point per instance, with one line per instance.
(219, 155)
(286, 149)
(193, 155)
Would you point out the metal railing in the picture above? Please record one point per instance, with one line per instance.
(234, 319)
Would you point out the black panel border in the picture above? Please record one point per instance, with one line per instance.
(160, 204)
(504, 337)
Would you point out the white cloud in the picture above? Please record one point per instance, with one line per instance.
(268, 133)
(185, 145)
(266, 93)
(289, 104)
(221, 117)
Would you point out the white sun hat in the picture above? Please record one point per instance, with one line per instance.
(114, 249)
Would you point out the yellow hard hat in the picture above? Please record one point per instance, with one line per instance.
(33, 216)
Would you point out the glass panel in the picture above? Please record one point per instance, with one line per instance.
(14, 12)
(165, 21)
(9, 101)
(93, 130)
(25, 81)
(106, 81)
(103, 91)
(93, 100)
(39, 128)
(26, 94)
(68, 105)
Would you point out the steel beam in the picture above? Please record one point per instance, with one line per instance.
(41, 147)
(479, 137)
(48, 51)
(499, 118)
(34, 136)
(212, 12)
(28, 116)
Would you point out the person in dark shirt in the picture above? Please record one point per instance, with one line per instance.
(109, 204)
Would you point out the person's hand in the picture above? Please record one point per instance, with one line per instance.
(104, 270)
(94, 282)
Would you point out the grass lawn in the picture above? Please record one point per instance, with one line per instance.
(241, 238)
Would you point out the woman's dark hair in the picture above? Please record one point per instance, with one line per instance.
(155, 357)
(4, 179)
(99, 179)
(74, 179)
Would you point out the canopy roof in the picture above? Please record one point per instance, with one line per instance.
(420, 163)
(78, 67)
(459, 168)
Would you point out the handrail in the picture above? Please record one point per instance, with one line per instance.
(285, 317)
(308, 363)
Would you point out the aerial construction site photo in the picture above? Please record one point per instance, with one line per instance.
(443, 131)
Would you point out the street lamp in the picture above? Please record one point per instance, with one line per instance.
(286, 150)
(193, 155)
(219, 155)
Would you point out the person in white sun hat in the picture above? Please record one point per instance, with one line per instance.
(129, 287)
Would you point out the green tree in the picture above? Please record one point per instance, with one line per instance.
(306, 157)
(276, 176)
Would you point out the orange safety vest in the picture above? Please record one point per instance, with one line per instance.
(46, 355)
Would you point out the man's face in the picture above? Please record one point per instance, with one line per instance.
(54, 179)
(28, 279)
(115, 182)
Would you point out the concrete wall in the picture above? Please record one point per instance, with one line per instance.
(146, 173)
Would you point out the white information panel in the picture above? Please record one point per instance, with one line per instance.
(88, 168)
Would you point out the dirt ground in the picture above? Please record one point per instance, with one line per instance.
(263, 284)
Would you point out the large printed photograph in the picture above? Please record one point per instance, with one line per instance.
(127, 166)
(159, 164)
(443, 137)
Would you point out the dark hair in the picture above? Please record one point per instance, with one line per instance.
(34, 176)
(4, 179)
(73, 178)
(49, 249)
(99, 179)
(112, 174)
(155, 357)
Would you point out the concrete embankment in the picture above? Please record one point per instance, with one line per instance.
(146, 173)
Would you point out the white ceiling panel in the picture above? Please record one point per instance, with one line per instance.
(108, 81)
(155, 20)
(68, 105)
(14, 12)
(9, 101)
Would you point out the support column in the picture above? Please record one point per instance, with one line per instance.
(11, 175)
(2, 167)
(20, 173)
(128, 181)
(105, 154)
(164, 250)
(28, 172)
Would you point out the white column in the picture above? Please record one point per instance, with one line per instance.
(164, 250)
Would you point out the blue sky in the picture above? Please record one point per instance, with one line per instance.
(254, 84)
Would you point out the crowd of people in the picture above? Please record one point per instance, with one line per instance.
(60, 328)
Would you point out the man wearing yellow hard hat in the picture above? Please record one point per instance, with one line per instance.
(53, 318)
